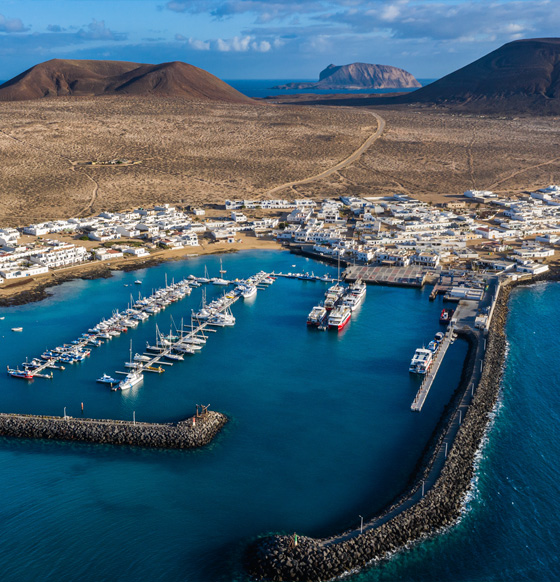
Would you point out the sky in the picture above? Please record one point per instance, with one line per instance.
(269, 39)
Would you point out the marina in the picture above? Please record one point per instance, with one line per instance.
(252, 390)
(189, 340)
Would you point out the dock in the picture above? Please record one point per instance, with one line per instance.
(429, 378)
(187, 339)
(411, 276)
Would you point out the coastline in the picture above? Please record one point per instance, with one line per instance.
(276, 558)
(179, 435)
(36, 289)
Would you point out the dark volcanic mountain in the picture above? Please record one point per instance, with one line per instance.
(88, 78)
(520, 77)
(359, 76)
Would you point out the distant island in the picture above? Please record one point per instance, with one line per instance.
(359, 76)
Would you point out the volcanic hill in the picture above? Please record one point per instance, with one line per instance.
(64, 77)
(522, 76)
(359, 76)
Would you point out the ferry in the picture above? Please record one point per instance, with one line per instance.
(355, 296)
(332, 296)
(421, 361)
(316, 316)
(339, 317)
(446, 315)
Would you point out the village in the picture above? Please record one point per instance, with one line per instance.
(479, 231)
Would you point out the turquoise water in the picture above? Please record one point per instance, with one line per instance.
(321, 429)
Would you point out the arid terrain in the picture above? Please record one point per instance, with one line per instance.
(189, 152)
(195, 153)
(436, 156)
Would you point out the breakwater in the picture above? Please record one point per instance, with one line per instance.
(180, 435)
(281, 558)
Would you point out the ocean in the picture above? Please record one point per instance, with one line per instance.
(321, 429)
(259, 88)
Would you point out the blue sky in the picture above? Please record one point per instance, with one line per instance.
(276, 39)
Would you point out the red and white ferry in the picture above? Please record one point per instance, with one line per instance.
(339, 317)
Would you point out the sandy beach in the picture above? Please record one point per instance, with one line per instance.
(36, 288)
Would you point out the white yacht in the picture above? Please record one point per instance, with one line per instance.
(130, 380)
(248, 291)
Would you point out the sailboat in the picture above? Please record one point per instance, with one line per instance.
(220, 280)
(204, 279)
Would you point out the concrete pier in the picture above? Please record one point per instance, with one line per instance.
(429, 378)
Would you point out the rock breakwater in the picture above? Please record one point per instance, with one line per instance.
(180, 435)
(279, 558)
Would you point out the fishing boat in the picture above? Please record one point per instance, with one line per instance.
(16, 373)
(446, 315)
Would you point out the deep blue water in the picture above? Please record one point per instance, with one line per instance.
(262, 87)
(321, 428)
(511, 530)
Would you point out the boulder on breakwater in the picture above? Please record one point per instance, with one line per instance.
(180, 435)
(278, 558)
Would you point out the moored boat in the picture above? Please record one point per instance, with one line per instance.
(339, 317)
(421, 361)
(316, 316)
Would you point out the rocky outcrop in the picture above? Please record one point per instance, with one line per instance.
(359, 76)
(277, 558)
(180, 435)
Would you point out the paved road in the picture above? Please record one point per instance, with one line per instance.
(351, 158)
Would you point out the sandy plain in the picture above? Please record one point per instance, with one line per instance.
(200, 153)
(193, 153)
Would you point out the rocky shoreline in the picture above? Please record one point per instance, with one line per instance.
(277, 558)
(180, 435)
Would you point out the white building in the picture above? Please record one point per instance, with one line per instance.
(18, 272)
(60, 256)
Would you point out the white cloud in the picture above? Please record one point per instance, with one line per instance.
(11, 25)
(199, 45)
